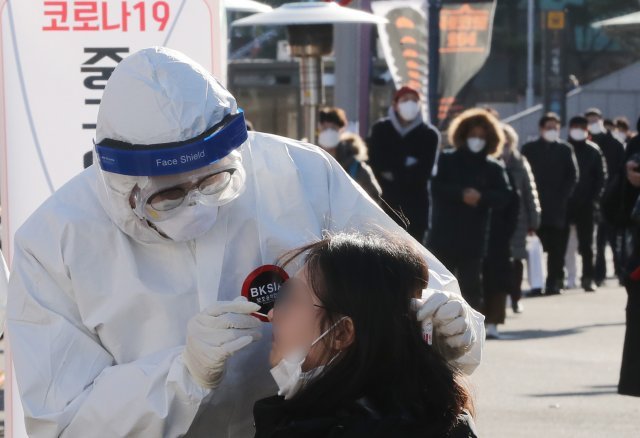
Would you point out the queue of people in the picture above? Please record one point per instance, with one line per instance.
(478, 198)
(451, 198)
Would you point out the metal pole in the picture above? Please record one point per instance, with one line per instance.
(311, 93)
(346, 69)
(434, 58)
(352, 69)
(364, 72)
(529, 97)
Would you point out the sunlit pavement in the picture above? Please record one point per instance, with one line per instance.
(555, 372)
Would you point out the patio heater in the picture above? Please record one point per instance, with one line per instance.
(310, 33)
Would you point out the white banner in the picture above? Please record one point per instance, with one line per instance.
(56, 56)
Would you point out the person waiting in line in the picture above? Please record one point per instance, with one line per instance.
(622, 131)
(468, 183)
(555, 170)
(584, 201)
(629, 383)
(528, 222)
(613, 151)
(402, 151)
(347, 148)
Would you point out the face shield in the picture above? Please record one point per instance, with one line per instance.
(177, 187)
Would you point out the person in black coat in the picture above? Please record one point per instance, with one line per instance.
(349, 356)
(629, 193)
(467, 184)
(613, 152)
(402, 150)
(498, 270)
(584, 201)
(555, 170)
(524, 184)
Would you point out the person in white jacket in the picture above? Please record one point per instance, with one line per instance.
(124, 314)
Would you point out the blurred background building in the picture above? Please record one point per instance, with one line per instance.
(265, 79)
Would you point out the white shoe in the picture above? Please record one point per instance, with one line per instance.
(492, 331)
(518, 308)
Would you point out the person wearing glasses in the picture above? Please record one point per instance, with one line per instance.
(133, 285)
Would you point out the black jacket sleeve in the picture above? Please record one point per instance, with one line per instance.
(498, 191)
(442, 185)
(374, 148)
(572, 174)
(600, 175)
(430, 150)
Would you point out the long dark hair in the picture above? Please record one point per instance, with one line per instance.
(371, 279)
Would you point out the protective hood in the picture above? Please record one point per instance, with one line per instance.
(154, 96)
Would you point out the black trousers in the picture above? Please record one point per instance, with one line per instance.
(468, 271)
(630, 370)
(607, 234)
(554, 243)
(584, 229)
(517, 273)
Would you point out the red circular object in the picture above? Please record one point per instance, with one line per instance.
(261, 287)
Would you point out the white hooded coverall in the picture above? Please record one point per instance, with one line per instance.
(98, 307)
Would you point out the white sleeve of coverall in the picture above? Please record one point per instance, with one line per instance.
(351, 209)
(69, 383)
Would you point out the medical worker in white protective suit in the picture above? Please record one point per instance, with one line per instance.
(123, 305)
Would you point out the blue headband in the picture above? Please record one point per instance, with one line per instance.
(172, 158)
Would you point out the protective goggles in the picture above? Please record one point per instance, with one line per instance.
(172, 158)
(214, 185)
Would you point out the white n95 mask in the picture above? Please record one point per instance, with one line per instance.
(578, 134)
(551, 135)
(620, 136)
(408, 110)
(189, 223)
(476, 144)
(288, 373)
(596, 127)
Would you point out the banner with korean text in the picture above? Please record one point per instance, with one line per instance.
(56, 57)
(465, 43)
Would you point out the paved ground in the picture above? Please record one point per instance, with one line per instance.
(555, 372)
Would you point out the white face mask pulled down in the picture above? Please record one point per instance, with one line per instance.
(288, 373)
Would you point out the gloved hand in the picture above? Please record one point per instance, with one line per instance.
(454, 333)
(217, 333)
